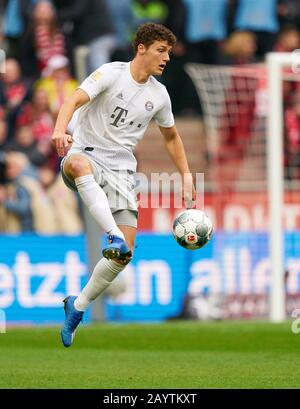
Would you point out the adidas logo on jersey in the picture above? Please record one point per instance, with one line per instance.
(120, 96)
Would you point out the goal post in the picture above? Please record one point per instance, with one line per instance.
(275, 63)
(243, 113)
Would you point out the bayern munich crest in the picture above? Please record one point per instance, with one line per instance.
(149, 105)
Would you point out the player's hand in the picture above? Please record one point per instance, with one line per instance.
(62, 142)
(188, 191)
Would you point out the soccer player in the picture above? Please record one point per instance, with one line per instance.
(116, 103)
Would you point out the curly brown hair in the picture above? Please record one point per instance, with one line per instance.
(150, 32)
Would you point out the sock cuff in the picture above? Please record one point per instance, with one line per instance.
(81, 302)
(83, 179)
(113, 266)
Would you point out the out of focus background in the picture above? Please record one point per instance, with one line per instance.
(219, 84)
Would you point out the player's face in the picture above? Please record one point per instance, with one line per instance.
(156, 57)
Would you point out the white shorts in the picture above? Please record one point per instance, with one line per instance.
(117, 185)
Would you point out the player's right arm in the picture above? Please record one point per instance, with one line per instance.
(92, 86)
(60, 138)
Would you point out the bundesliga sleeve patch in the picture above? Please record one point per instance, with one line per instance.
(95, 76)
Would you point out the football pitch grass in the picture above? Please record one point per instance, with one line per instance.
(169, 355)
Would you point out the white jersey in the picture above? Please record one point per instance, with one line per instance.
(117, 116)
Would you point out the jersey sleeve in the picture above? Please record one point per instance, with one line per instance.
(164, 117)
(98, 81)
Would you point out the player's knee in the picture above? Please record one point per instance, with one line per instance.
(76, 167)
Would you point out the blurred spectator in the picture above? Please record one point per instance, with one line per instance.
(42, 40)
(149, 10)
(36, 209)
(124, 24)
(2, 168)
(28, 205)
(67, 10)
(199, 28)
(3, 134)
(49, 40)
(15, 198)
(57, 82)
(239, 48)
(93, 28)
(3, 130)
(261, 18)
(288, 39)
(42, 207)
(13, 24)
(36, 152)
(176, 21)
(64, 202)
(206, 26)
(37, 114)
(292, 138)
(47, 206)
(15, 16)
(175, 75)
(2, 11)
(14, 91)
(289, 12)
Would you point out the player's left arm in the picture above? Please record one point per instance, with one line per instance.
(175, 149)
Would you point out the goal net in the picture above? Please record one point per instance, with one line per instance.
(252, 182)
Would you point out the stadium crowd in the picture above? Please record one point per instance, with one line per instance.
(40, 39)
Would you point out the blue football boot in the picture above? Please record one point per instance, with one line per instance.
(72, 319)
(117, 249)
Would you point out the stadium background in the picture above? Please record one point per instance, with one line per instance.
(43, 245)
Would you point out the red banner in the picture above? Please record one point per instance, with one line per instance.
(229, 212)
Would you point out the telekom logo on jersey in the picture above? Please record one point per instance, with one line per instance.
(119, 116)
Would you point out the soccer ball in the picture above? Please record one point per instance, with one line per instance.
(192, 229)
